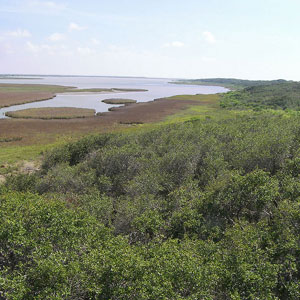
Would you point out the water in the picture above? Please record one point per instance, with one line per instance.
(157, 88)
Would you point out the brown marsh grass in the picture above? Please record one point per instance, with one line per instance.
(52, 113)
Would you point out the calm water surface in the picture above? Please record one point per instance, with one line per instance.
(157, 88)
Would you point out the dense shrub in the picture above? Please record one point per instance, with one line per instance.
(283, 95)
(198, 210)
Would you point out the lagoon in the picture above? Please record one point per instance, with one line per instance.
(156, 88)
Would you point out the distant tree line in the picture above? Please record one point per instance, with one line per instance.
(230, 83)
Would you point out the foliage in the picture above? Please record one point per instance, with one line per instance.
(230, 83)
(277, 96)
(204, 209)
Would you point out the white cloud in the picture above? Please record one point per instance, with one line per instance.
(175, 44)
(19, 33)
(74, 26)
(47, 49)
(55, 37)
(85, 51)
(95, 41)
(209, 37)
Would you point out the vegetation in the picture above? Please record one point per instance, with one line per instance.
(13, 94)
(22, 88)
(52, 113)
(15, 98)
(109, 109)
(118, 101)
(205, 209)
(280, 96)
(204, 205)
(101, 90)
(10, 139)
(9, 87)
(230, 83)
(38, 135)
(9, 77)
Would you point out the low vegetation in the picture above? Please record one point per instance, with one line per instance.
(38, 135)
(230, 83)
(9, 77)
(205, 209)
(10, 139)
(204, 205)
(110, 109)
(119, 101)
(280, 96)
(22, 88)
(104, 90)
(52, 113)
(14, 98)
(13, 94)
(10, 87)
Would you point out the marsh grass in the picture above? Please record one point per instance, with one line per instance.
(32, 146)
(13, 94)
(52, 113)
(12, 87)
(119, 101)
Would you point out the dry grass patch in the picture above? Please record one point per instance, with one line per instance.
(52, 113)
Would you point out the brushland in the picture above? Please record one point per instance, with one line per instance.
(284, 96)
(230, 83)
(47, 113)
(203, 204)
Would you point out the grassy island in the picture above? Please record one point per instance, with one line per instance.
(119, 101)
(51, 113)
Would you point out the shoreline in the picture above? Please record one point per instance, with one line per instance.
(136, 113)
(95, 93)
(19, 94)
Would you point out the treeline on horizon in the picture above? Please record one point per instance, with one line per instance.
(231, 83)
(205, 209)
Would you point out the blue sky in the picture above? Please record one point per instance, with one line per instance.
(257, 39)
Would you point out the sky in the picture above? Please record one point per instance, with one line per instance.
(249, 39)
